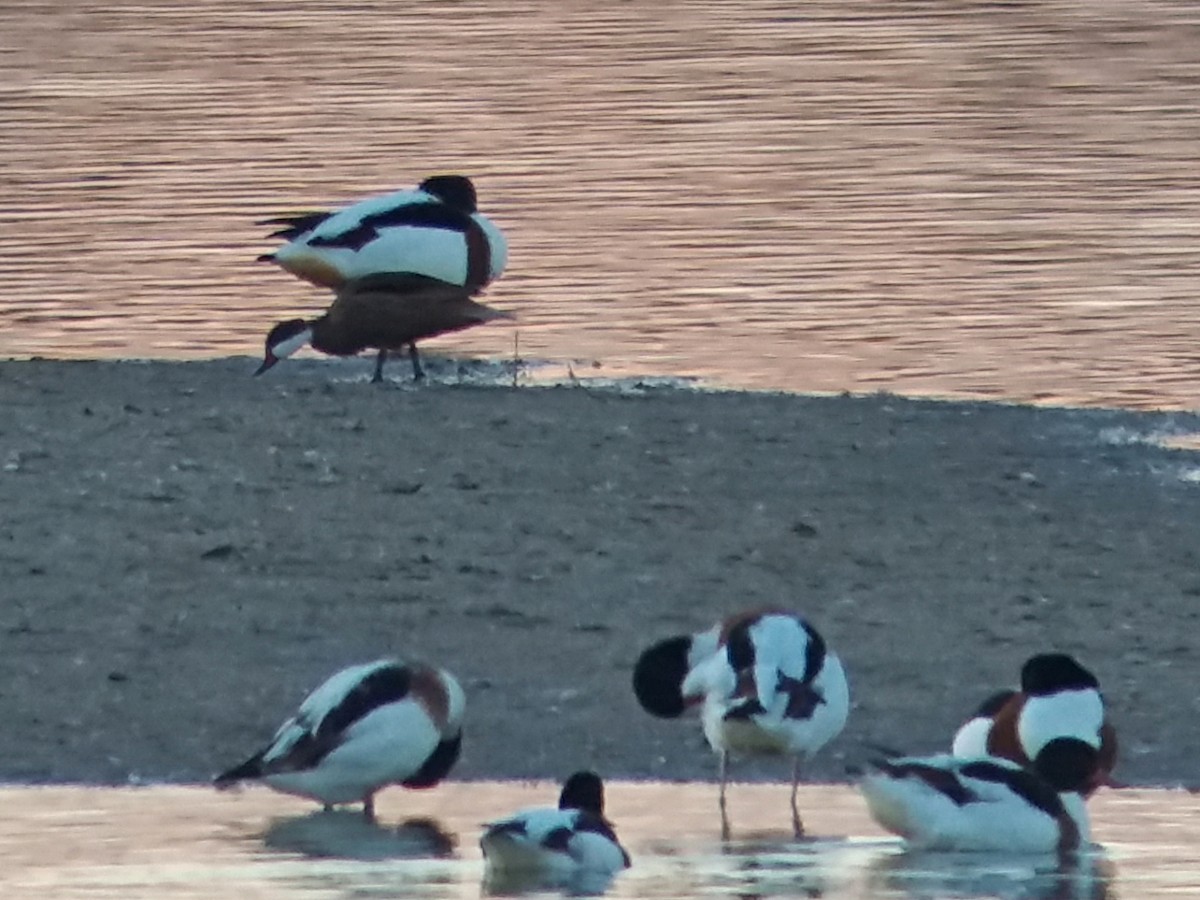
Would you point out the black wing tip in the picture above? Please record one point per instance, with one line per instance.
(247, 771)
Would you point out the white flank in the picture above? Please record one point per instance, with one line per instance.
(526, 852)
(970, 740)
(1000, 820)
(434, 252)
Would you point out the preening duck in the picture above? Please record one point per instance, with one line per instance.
(385, 311)
(433, 230)
(946, 803)
(368, 726)
(767, 683)
(1058, 698)
(557, 843)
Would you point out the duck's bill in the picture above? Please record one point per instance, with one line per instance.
(266, 364)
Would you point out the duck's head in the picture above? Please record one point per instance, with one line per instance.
(1049, 673)
(583, 790)
(659, 674)
(455, 191)
(283, 340)
(1068, 765)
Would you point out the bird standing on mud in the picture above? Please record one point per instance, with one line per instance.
(403, 266)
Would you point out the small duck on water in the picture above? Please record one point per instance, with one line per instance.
(557, 844)
(985, 804)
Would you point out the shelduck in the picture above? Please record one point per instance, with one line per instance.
(435, 230)
(368, 726)
(985, 804)
(1058, 698)
(767, 683)
(385, 312)
(557, 844)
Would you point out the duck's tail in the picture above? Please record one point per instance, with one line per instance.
(250, 769)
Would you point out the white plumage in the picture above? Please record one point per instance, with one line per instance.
(558, 845)
(987, 804)
(767, 684)
(433, 230)
(367, 726)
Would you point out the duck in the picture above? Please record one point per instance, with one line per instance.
(557, 843)
(386, 312)
(1058, 697)
(944, 802)
(766, 683)
(435, 230)
(366, 727)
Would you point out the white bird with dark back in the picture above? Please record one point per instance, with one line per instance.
(986, 804)
(557, 844)
(434, 230)
(367, 727)
(1059, 698)
(767, 682)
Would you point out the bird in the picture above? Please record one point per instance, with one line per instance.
(767, 683)
(1058, 698)
(557, 843)
(366, 727)
(944, 802)
(435, 230)
(385, 311)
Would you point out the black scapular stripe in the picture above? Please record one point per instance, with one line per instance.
(1026, 785)
(417, 215)
(387, 684)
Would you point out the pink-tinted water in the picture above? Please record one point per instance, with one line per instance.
(958, 199)
(170, 843)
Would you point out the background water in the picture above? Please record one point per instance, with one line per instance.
(971, 198)
(138, 844)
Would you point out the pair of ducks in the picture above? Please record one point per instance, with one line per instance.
(766, 682)
(403, 267)
(391, 722)
(1017, 776)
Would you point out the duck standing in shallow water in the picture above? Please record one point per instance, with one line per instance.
(387, 311)
(368, 726)
(1058, 698)
(557, 844)
(435, 230)
(986, 804)
(767, 683)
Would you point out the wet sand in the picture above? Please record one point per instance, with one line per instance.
(186, 551)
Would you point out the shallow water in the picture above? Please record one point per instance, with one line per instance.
(970, 199)
(191, 842)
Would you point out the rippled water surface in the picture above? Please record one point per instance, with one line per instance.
(984, 199)
(194, 843)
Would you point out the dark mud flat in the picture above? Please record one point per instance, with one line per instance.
(185, 551)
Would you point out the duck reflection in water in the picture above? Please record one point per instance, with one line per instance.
(346, 834)
(1087, 875)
